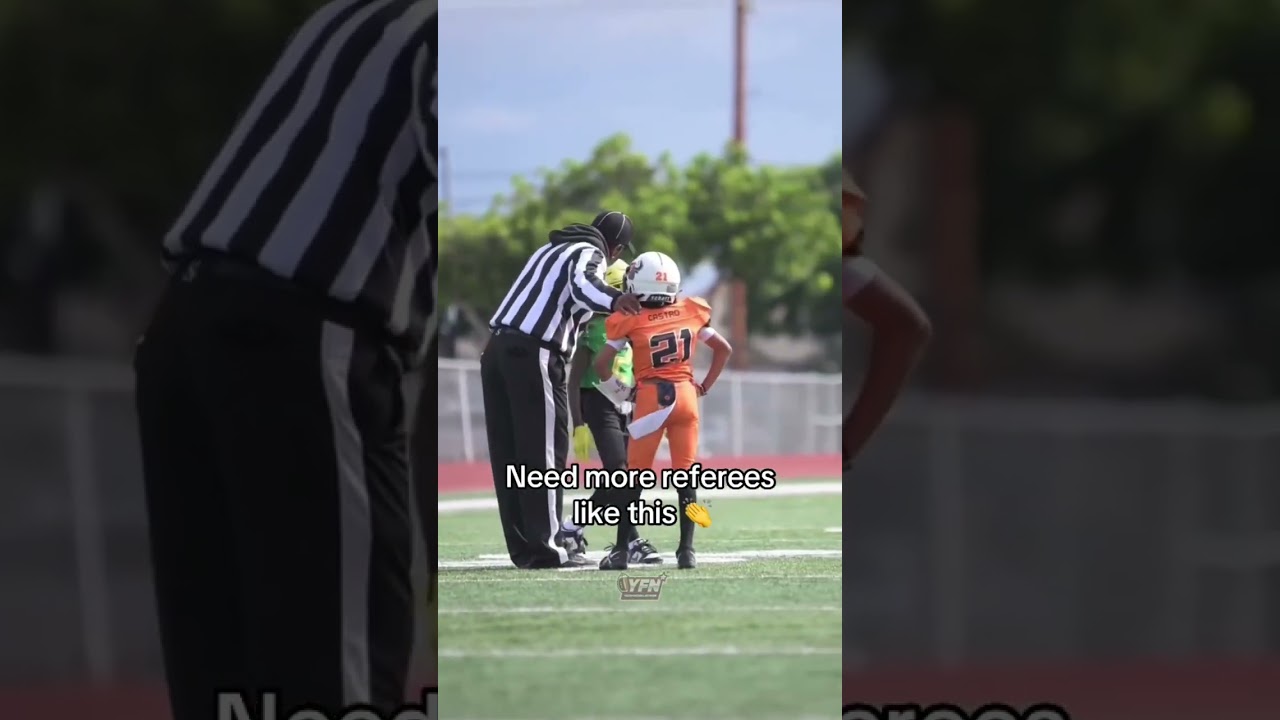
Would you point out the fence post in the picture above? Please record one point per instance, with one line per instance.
(811, 410)
(735, 415)
(1251, 605)
(950, 566)
(1183, 538)
(89, 537)
(464, 408)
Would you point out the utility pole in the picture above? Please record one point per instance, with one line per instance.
(740, 10)
(738, 287)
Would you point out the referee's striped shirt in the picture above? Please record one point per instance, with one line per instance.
(329, 179)
(560, 288)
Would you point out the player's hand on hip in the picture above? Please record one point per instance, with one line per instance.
(702, 389)
(582, 443)
(627, 304)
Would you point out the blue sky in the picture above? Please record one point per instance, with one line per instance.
(525, 84)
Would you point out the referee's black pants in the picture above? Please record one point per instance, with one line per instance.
(526, 417)
(276, 479)
(424, 448)
(609, 431)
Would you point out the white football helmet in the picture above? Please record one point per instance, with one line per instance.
(654, 276)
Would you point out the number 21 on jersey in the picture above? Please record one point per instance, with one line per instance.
(670, 348)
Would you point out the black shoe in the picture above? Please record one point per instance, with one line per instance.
(644, 553)
(615, 560)
(573, 542)
(576, 560)
(686, 559)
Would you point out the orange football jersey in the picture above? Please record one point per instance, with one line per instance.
(662, 340)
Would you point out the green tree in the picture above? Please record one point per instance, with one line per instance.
(1157, 108)
(774, 228)
(131, 96)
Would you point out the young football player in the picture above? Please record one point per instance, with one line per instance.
(666, 395)
(598, 421)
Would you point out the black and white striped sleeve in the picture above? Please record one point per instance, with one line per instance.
(589, 289)
(425, 112)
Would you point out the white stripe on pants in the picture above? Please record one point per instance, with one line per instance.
(356, 529)
(549, 438)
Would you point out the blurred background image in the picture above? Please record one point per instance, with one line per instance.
(716, 127)
(1079, 504)
(109, 113)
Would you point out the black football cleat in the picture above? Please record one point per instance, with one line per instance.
(686, 559)
(643, 552)
(615, 560)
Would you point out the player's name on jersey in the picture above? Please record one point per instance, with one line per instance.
(696, 477)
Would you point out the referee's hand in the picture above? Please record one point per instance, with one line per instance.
(627, 304)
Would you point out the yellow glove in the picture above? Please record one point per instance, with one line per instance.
(582, 443)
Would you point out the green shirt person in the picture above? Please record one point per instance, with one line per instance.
(593, 340)
(592, 412)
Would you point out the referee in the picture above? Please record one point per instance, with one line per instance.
(269, 380)
(524, 377)
(596, 420)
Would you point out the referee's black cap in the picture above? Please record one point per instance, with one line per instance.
(615, 227)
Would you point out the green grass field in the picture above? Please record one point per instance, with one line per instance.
(753, 633)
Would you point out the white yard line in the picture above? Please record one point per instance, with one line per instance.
(834, 530)
(498, 561)
(786, 489)
(475, 577)
(638, 608)
(564, 653)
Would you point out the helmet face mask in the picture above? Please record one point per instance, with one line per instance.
(654, 278)
(616, 275)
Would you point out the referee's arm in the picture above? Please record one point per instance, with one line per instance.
(589, 289)
(426, 130)
(426, 126)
